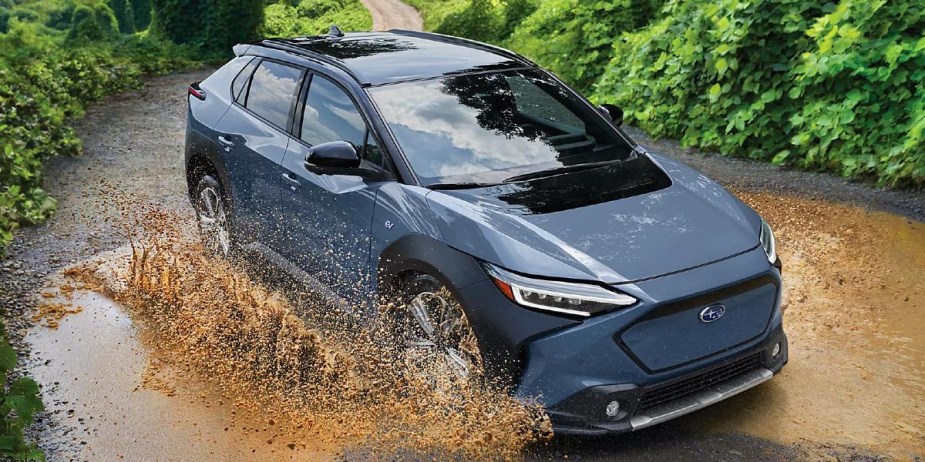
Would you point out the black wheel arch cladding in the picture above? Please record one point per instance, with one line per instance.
(501, 327)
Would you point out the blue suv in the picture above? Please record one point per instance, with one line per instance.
(525, 233)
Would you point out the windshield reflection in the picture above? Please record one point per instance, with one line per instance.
(487, 127)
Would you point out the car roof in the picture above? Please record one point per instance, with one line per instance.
(377, 58)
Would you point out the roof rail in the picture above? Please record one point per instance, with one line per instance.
(283, 45)
(471, 43)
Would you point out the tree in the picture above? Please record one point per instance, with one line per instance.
(213, 25)
(142, 12)
(122, 9)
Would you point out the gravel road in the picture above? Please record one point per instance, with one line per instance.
(393, 14)
(134, 142)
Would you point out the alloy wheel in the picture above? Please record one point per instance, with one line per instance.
(213, 222)
(442, 343)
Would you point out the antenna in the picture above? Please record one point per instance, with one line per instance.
(335, 31)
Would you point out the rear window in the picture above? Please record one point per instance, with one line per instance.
(273, 88)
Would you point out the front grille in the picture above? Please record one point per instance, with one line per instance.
(667, 393)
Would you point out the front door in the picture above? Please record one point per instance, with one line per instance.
(327, 217)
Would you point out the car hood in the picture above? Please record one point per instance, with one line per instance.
(584, 226)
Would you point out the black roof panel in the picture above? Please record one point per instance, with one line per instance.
(386, 57)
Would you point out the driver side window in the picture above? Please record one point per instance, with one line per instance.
(330, 115)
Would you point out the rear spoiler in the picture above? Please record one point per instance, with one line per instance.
(241, 48)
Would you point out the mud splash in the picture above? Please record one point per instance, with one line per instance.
(854, 301)
(319, 378)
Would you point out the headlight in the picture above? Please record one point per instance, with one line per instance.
(767, 241)
(560, 297)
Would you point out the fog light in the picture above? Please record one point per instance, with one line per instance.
(776, 350)
(613, 408)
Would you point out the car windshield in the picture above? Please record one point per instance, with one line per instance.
(488, 127)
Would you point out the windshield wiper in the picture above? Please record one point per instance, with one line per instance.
(461, 185)
(561, 170)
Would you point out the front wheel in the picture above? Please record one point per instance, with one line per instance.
(212, 216)
(439, 341)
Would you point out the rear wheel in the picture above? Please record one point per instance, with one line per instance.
(212, 216)
(439, 341)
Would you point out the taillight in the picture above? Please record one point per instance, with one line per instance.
(196, 91)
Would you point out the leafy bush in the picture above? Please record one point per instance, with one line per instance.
(210, 25)
(834, 86)
(311, 17)
(575, 38)
(93, 23)
(484, 20)
(19, 401)
(480, 20)
(44, 86)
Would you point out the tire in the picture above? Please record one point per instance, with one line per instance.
(212, 217)
(439, 342)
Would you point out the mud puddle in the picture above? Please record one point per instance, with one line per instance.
(223, 369)
(854, 303)
(100, 378)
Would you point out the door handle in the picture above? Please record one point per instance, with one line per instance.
(294, 184)
(226, 142)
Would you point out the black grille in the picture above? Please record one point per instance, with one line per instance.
(694, 384)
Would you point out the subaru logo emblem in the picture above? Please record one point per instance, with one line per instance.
(712, 313)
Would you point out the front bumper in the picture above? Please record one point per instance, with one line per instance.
(661, 369)
(643, 406)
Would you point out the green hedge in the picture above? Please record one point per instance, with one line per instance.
(46, 81)
(209, 25)
(814, 84)
(574, 38)
(311, 17)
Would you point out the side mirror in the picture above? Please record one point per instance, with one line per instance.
(613, 112)
(334, 154)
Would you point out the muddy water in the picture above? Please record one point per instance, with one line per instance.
(221, 367)
(854, 303)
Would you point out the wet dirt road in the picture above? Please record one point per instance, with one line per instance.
(854, 298)
(393, 14)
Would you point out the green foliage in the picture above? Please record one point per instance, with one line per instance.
(819, 85)
(210, 25)
(125, 17)
(435, 11)
(484, 20)
(480, 20)
(311, 17)
(574, 38)
(93, 23)
(19, 401)
(46, 81)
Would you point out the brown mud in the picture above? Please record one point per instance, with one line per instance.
(323, 382)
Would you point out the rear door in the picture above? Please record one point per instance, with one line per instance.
(327, 217)
(252, 140)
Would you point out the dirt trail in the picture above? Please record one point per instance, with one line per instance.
(393, 14)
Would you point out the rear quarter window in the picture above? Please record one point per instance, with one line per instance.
(219, 83)
(239, 85)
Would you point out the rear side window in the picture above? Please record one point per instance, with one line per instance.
(239, 85)
(272, 91)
